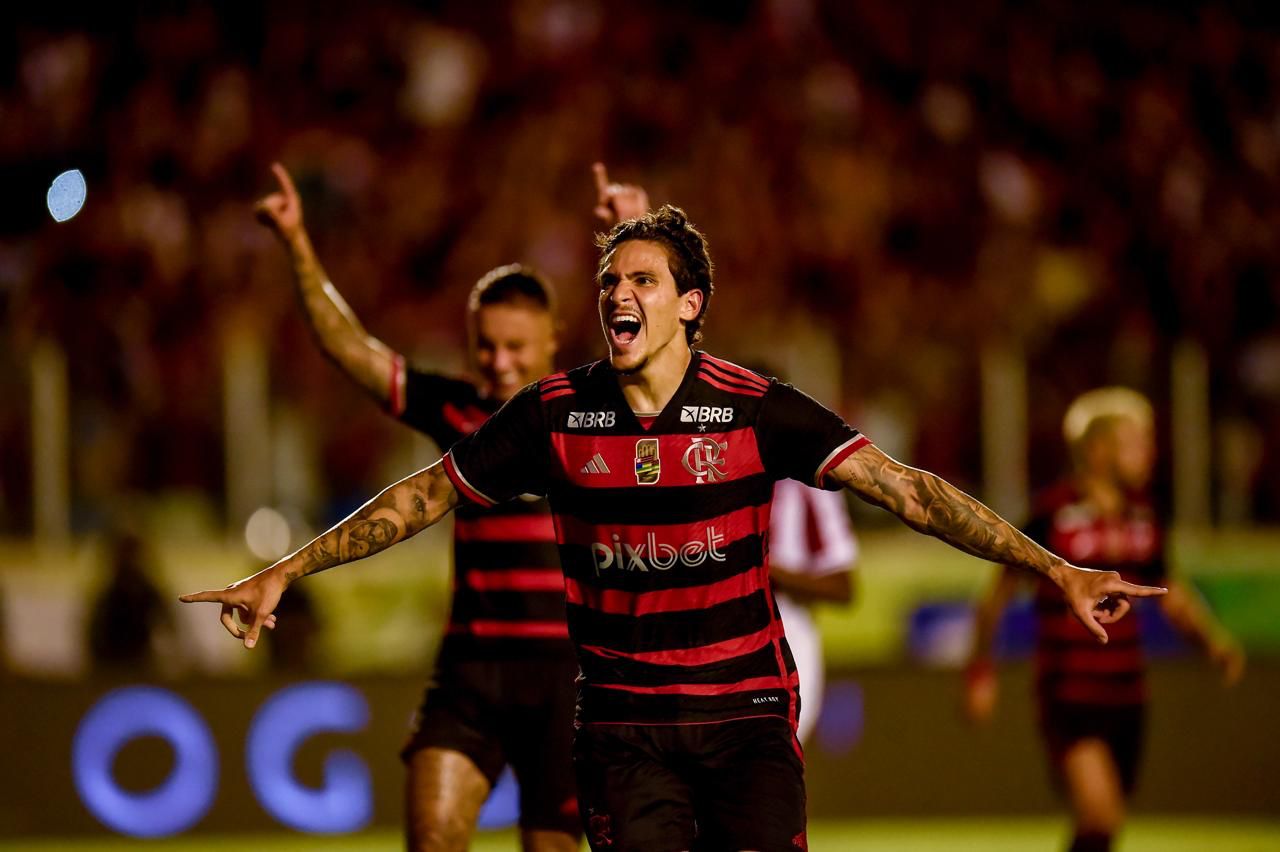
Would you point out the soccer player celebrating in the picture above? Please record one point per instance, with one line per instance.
(1092, 697)
(503, 689)
(659, 463)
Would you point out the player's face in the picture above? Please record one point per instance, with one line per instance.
(640, 310)
(515, 344)
(1132, 453)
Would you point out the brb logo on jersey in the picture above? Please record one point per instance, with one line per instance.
(655, 554)
(591, 419)
(704, 458)
(706, 414)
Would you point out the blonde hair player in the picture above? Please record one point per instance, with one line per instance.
(1092, 697)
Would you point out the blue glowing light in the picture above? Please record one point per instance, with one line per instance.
(842, 719)
(66, 195)
(345, 801)
(502, 808)
(125, 715)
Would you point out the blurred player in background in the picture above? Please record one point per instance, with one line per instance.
(148, 644)
(1092, 698)
(503, 688)
(660, 463)
(812, 553)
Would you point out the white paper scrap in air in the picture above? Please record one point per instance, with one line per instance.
(66, 195)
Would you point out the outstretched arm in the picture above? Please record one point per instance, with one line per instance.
(931, 505)
(361, 356)
(400, 511)
(1187, 612)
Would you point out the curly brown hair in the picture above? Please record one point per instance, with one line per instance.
(687, 255)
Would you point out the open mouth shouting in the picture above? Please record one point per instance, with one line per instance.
(624, 328)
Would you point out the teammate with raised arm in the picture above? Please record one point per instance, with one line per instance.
(503, 687)
(1092, 699)
(659, 463)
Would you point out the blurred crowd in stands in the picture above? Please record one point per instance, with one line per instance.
(912, 182)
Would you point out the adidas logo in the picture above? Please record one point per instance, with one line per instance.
(596, 465)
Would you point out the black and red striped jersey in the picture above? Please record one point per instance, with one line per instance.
(663, 530)
(1071, 667)
(508, 591)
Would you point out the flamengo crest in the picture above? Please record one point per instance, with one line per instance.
(704, 458)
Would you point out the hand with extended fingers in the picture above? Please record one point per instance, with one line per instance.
(617, 202)
(252, 601)
(281, 211)
(1099, 597)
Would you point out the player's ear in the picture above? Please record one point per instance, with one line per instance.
(691, 304)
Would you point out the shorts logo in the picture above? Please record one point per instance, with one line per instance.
(648, 462)
(591, 419)
(600, 830)
(706, 414)
(704, 458)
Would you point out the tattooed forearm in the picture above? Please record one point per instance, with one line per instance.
(341, 335)
(368, 537)
(932, 505)
(401, 511)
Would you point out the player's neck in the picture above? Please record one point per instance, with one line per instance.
(651, 387)
(1102, 492)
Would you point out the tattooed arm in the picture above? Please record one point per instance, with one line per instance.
(400, 511)
(367, 360)
(931, 505)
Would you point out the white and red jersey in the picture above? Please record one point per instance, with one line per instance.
(809, 533)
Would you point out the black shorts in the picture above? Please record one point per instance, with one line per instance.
(517, 712)
(718, 786)
(1121, 728)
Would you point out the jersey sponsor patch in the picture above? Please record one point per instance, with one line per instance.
(648, 462)
(591, 419)
(656, 554)
(706, 414)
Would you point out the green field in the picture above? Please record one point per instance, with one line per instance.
(972, 835)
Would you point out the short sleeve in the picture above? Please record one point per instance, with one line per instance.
(802, 439)
(438, 406)
(507, 456)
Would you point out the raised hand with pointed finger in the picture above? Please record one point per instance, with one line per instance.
(617, 202)
(282, 210)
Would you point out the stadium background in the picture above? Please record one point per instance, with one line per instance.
(944, 221)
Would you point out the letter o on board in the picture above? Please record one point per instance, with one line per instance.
(125, 715)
